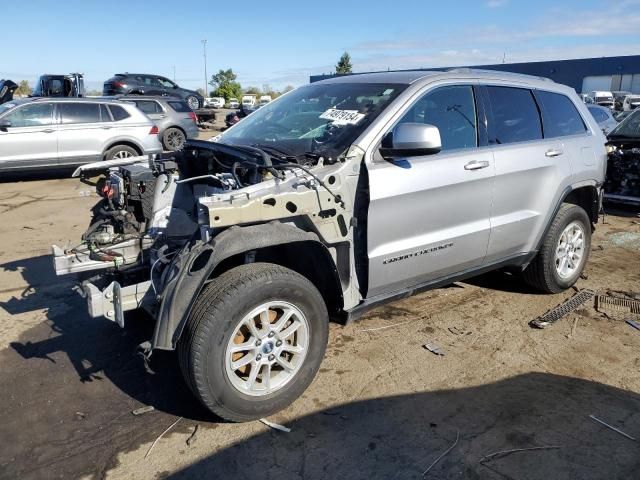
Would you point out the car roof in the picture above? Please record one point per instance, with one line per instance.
(64, 100)
(165, 98)
(417, 76)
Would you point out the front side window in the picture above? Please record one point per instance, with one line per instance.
(321, 119)
(71, 113)
(452, 110)
(559, 115)
(34, 115)
(515, 116)
(166, 83)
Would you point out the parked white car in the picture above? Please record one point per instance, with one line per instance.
(264, 99)
(248, 101)
(233, 103)
(631, 102)
(214, 102)
(602, 98)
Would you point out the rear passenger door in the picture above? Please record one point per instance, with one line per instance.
(531, 171)
(429, 215)
(84, 132)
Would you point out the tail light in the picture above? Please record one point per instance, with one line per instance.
(154, 130)
(119, 84)
(192, 116)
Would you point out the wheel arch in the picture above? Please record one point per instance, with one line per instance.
(128, 143)
(273, 242)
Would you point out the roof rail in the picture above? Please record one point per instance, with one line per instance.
(501, 72)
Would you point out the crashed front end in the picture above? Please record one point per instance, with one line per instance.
(155, 215)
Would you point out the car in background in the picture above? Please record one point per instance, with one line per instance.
(176, 122)
(631, 102)
(603, 117)
(147, 84)
(602, 98)
(214, 102)
(69, 85)
(62, 132)
(618, 99)
(233, 103)
(7, 87)
(585, 98)
(622, 184)
(264, 99)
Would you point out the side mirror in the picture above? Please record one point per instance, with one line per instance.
(4, 124)
(411, 140)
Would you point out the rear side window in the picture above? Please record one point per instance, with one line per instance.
(148, 106)
(118, 113)
(598, 114)
(79, 112)
(559, 115)
(178, 106)
(452, 110)
(515, 116)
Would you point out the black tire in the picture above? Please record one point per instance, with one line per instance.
(217, 312)
(193, 102)
(173, 139)
(118, 150)
(541, 272)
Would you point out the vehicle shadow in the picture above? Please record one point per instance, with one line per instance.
(401, 436)
(43, 174)
(502, 281)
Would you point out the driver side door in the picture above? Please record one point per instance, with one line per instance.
(429, 216)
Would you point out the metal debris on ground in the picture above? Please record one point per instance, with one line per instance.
(616, 304)
(81, 415)
(635, 325)
(160, 436)
(563, 309)
(143, 410)
(502, 453)
(192, 438)
(275, 426)
(443, 454)
(593, 417)
(433, 348)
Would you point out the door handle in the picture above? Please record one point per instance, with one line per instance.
(553, 153)
(107, 128)
(48, 130)
(476, 165)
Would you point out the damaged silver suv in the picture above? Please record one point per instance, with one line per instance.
(332, 199)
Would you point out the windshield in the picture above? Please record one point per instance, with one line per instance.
(322, 119)
(629, 127)
(604, 99)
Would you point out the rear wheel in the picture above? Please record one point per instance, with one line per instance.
(564, 251)
(120, 151)
(254, 341)
(173, 139)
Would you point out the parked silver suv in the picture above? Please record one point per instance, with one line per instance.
(61, 132)
(173, 117)
(330, 200)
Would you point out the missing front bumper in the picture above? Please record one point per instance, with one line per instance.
(114, 300)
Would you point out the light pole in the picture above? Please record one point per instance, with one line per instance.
(204, 51)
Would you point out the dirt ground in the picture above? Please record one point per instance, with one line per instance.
(382, 406)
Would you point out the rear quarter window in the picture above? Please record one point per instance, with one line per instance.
(148, 106)
(118, 113)
(515, 115)
(178, 106)
(560, 116)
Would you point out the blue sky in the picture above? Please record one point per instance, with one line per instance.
(283, 42)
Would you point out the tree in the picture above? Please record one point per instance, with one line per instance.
(288, 88)
(252, 91)
(23, 90)
(344, 64)
(225, 84)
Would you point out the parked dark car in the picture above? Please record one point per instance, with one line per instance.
(623, 167)
(69, 86)
(7, 87)
(146, 84)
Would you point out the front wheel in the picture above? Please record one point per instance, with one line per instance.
(254, 341)
(564, 251)
(193, 102)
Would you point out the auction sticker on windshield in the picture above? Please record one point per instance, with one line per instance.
(342, 117)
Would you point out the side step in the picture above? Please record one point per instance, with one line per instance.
(563, 309)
